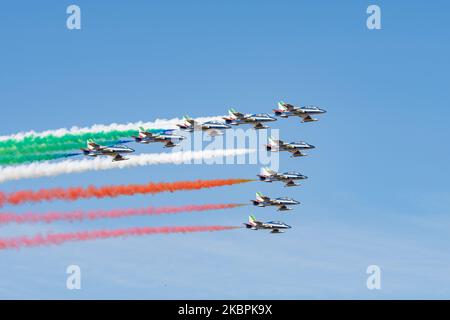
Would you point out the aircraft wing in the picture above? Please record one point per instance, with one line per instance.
(308, 118)
(296, 153)
(259, 125)
(291, 183)
(169, 144)
(118, 157)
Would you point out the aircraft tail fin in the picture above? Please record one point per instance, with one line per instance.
(188, 120)
(273, 141)
(281, 105)
(259, 196)
(266, 171)
(90, 144)
(232, 112)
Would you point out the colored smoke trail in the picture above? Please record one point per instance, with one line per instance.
(18, 159)
(50, 143)
(112, 191)
(97, 128)
(60, 238)
(43, 169)
(6, 218)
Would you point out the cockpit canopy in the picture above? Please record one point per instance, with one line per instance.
(276, 222)
(311, 107)
(214, 122)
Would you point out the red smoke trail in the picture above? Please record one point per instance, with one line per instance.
(75, 193)
(60, 238)
(103, 214)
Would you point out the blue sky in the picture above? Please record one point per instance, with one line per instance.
(378, 189)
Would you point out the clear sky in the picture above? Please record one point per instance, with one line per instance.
(378, 191)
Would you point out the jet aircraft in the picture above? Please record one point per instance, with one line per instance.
(274, 226)
(286, 110)
(292, 147)
(269, 175)
(93, 150)
(236, 118)
(213, 128)
(167, 137)
(282, 203)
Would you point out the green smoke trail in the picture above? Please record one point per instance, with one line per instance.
(18, 159)
(67, 142)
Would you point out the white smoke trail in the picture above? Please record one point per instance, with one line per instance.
(47, 169)
(158, 123)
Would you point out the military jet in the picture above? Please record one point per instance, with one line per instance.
(286, 110)
(167, 137)
(292, 147)
(269, 175)
(213, 128)
(236, 118)
(93, 150)
(274, 226)
(281, 203)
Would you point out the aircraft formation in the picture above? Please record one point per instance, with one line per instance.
(42, 148)
(284, 110)
(215, 128)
